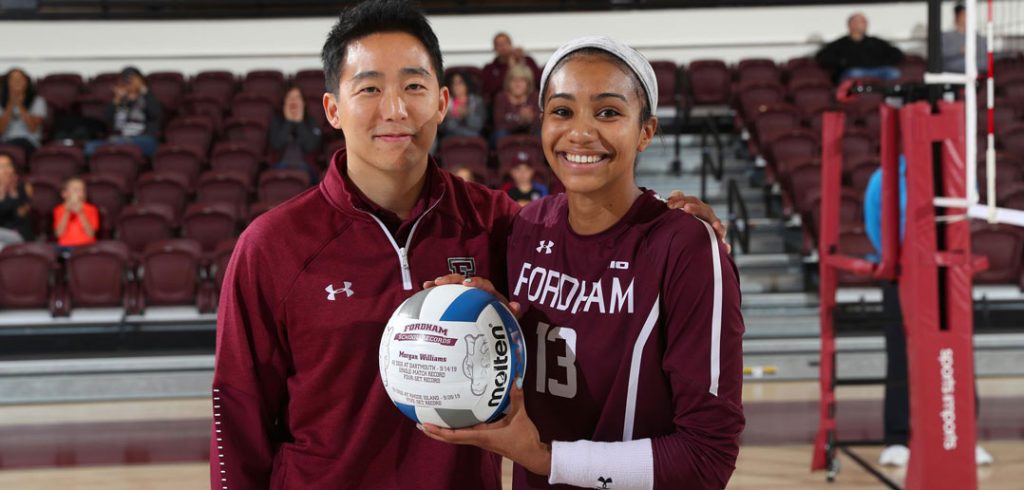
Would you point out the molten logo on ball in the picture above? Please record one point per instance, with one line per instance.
(448, 355)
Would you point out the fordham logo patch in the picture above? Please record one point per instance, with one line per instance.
(462, 265)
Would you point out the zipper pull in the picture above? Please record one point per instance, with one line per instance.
(405, 258)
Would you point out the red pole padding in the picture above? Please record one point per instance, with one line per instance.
(940, 354)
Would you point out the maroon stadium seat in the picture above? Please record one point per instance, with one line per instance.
(464, 151)
(210, 223)
(859, 171)
(859, 105)
(277, 186)
(204, 105)
(97, 275)
(1012, 140)
(851, 210)
(808, 73)
(311, 83)
(140, 224)
(250, 132)
(811, 96)
(170, 273)
(775, 121)
(758, 70)
(218, 84)
(109, 193)
(667, 74)
(517, 148)
(474, 74)
(227, 187)
(1004, 247)
(256, 209)
(102, 85)
(858, 143)
(17, 155)
(45, 196)
(330, 148)
(231, 156)
(196, 132)
(185, 160)
(167, 188)
(756, 97)
(219, 260)
(912, 68)
(92, 106)
(61, 162)
(794, 145)
(118, 159)
(60, 90)
(258, 107)
(266, 83)
(168, 87)
(709, 82)
(27, 275)
(315, 110)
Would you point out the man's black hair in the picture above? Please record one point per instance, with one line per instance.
(958, 8)
(374, 16)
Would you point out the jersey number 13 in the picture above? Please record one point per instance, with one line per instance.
(548, 335)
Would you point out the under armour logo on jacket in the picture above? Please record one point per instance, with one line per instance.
(345, 288)
(545, 246)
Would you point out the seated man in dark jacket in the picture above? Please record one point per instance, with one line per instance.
(133, 116)
(858, 55)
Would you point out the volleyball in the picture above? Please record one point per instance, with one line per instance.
(450, 355)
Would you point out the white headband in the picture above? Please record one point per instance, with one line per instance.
(636, 62)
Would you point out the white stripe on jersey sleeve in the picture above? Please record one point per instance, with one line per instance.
(589, 464)
(634, 370)
(716, 312)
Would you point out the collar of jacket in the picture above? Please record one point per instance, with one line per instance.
(338, 193)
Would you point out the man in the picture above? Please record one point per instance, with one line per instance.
(133, 115)
(506, 55)
(311, 284)
(858, 55)
(954, 42)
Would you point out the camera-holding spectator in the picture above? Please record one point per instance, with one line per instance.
(858, 55)
(15, 221)
(21, 122)
(954, 42)
(506, 56)
(466, 110)
(515, 108)
(133, 115)
(75, 221)
(294, 136)
(523, 188)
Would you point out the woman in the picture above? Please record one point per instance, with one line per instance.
(15, 220)
(21, 122)
(466, 110)
(294, 136)
(514, 112)
(631, 311)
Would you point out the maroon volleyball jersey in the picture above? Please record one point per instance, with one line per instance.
(633, 333)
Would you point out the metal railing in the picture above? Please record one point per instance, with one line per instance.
(713, 164)
(739, 219)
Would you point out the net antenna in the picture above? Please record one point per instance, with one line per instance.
(971, 201)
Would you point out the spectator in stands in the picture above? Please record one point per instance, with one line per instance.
(295, 136)
(133, 115)
(15, 221)
(523, 188)
(896, 420)
(75, 221)
(21, 122)
(954, 42)
(466, 110)
(506, 55)
(858, 55)
(515, 110)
